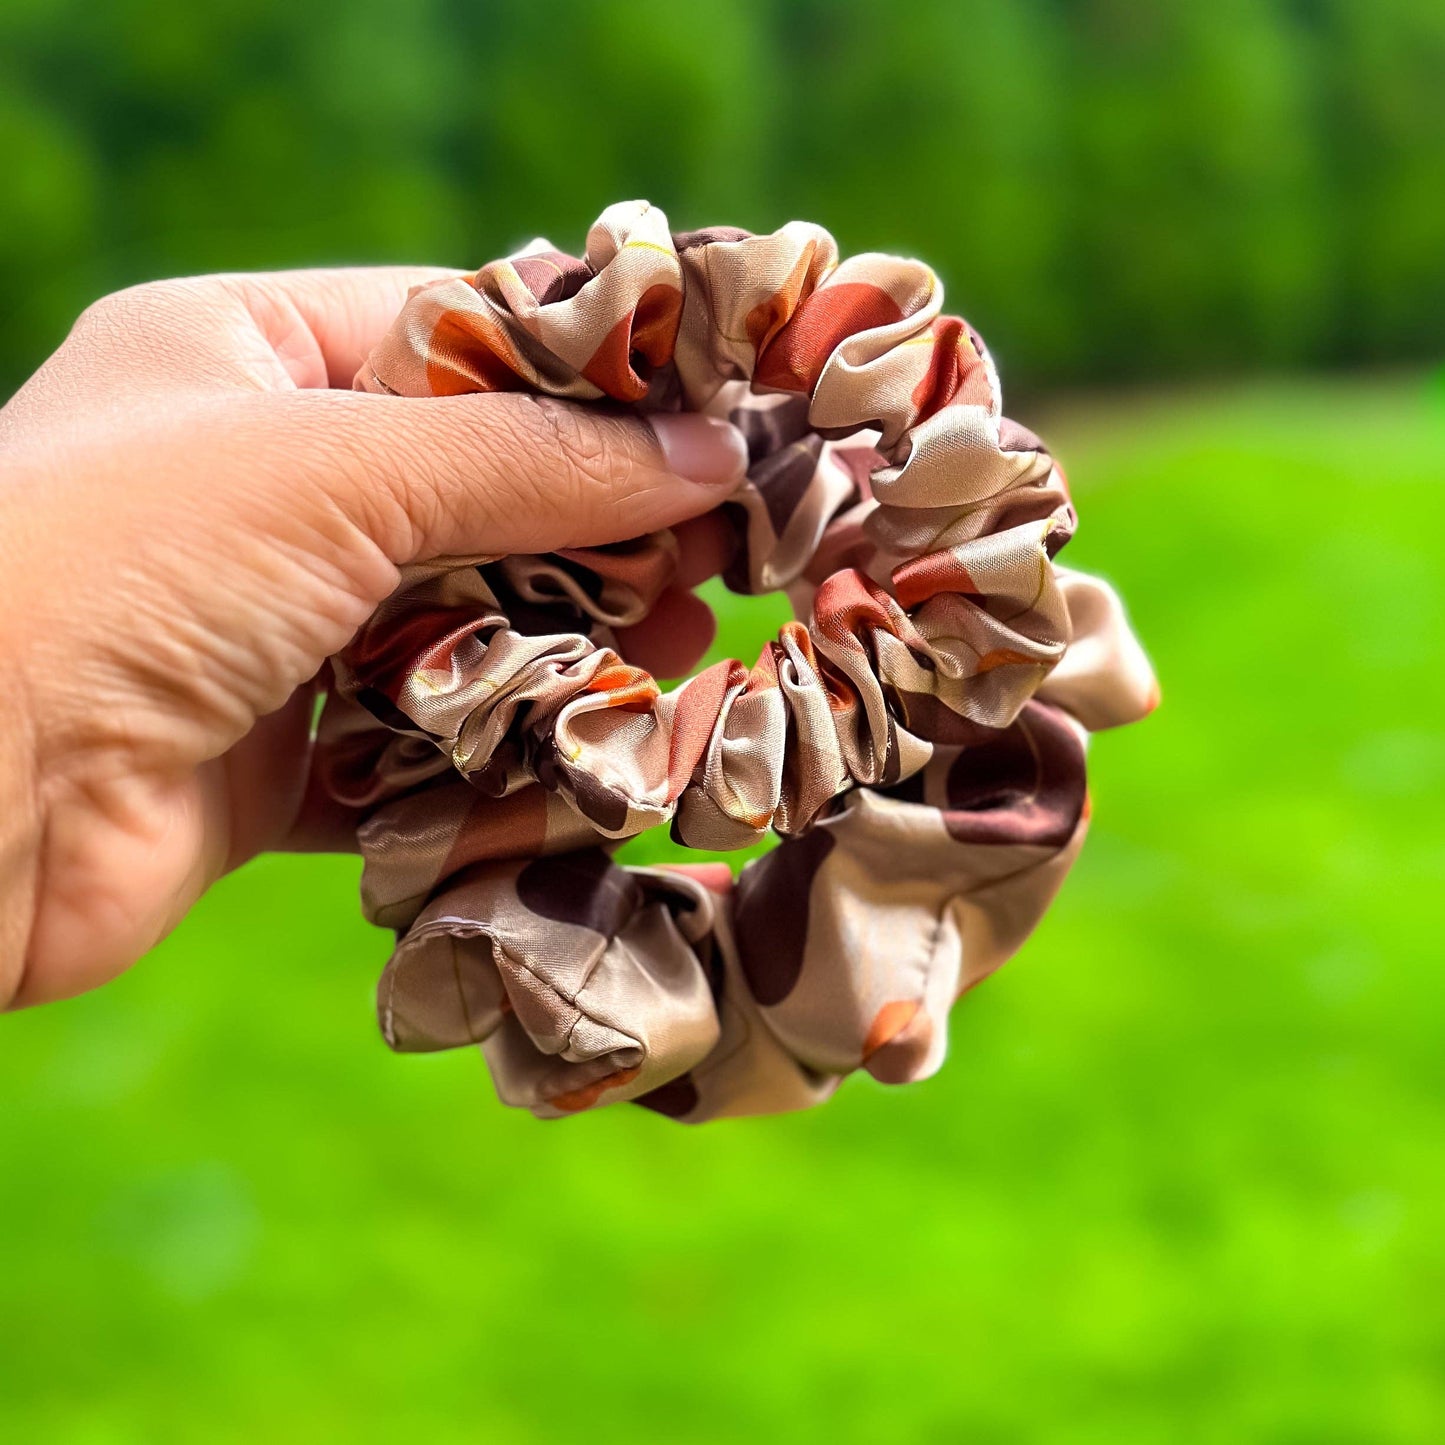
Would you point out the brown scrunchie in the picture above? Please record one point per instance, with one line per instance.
(919, 744)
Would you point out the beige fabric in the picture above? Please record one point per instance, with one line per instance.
(919, 743)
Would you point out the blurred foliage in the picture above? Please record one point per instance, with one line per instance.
(1180, 1181)
(1111, 187)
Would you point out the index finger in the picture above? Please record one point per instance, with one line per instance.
(322, 324)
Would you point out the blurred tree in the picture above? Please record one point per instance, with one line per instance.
(1111, 188)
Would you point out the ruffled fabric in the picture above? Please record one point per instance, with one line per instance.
(918, 744)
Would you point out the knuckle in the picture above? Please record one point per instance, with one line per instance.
(147, 309)
(423, 487)
(583, 472)
(109, 315)
(309, 452)
(596, 463)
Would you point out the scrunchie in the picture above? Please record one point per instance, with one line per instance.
(918, 745)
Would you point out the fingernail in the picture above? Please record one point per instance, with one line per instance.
(702, 449)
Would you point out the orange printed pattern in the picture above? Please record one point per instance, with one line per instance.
(916, 737)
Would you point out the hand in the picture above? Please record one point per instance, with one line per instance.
(193, 517)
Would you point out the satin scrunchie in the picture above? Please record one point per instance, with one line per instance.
(918, 745)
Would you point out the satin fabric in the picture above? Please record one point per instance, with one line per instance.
(918, 743)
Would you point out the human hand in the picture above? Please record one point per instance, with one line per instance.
(193, 517)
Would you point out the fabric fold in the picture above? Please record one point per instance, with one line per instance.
(577, 977)
(916, 737)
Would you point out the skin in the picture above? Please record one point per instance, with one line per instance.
(195, 513)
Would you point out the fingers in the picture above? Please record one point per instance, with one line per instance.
(267, 775)
(670, 640)
(322, 824)
(322, 324)
(494, 473)
(715, 877)
(421, 477)
(705, 546)
(267, 332)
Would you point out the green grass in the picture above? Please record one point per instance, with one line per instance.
(1181, 1180)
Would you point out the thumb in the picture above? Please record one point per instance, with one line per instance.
(500, 472)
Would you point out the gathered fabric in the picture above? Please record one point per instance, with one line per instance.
(917, 743)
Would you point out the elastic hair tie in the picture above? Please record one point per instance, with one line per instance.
(918, 745)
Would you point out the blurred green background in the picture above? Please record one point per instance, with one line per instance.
(1182, 1178)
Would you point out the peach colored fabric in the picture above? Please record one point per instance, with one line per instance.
(917, 740)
